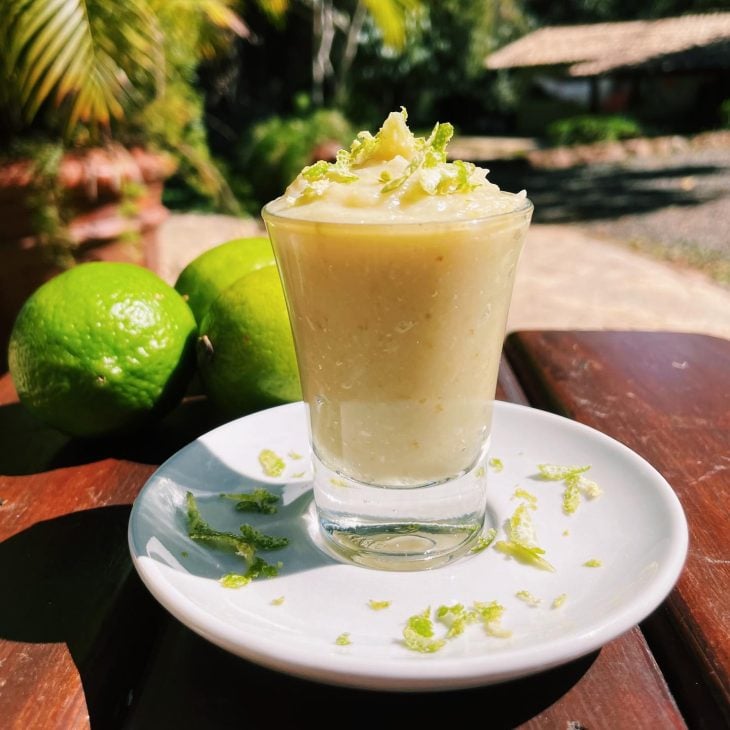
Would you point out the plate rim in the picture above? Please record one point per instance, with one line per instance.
(440, 673)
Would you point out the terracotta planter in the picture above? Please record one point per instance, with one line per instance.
(107, 223)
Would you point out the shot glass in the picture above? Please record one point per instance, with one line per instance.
(398, 330)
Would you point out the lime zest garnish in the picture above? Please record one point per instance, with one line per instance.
(480, 472)
(277, 601)
(529, 498)
(528, 598)
(378, 605)
(335, 482)
(298, 475)
(272, 464)
(520, 527)
(484, 541)
(521, 543)
(258, 569)
(559, 600)
(259, 500)
(294, 455)
(261, 541)
(418, 633)
(245, 545)
(430, 153)
(571, 496)
(566, 533)
(234, 580)
(593, 563)
(589, 488)
(491, 616)
(575, 484)
(527, 555)
(496, 464)
(343, 639)
(555, 473)
(456, 618)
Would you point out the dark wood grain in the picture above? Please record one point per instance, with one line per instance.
(76, 624)
(81, 632)
(668, 398)
(602, 690)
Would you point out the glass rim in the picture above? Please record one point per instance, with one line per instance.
(526, 207)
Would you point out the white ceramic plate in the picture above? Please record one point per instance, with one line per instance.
(636, 528)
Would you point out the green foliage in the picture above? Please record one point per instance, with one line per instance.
(588, 128)
(81, 72)
(440, 73)
(725, 114)
(279, 147)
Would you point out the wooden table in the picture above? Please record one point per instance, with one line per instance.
(82, 644)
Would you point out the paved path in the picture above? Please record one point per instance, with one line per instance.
(568, 279)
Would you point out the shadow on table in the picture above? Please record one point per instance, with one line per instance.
(193, 684)
(30, 447)
(70, 580)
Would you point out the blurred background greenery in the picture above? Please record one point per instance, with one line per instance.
(243, 93)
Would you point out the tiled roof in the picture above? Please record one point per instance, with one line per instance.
(601, 47)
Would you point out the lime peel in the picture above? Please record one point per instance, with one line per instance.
(343, 639)
(521, 542)
(428, 166)
(576, 484)
(496, 464)
(484, 541)
(272, 464)
(259, 500)
(378, 605)
(244, 544)
(528, 598)
(419, 634)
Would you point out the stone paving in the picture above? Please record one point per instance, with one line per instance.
(568, 279)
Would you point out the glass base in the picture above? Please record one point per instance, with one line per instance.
(401, 528)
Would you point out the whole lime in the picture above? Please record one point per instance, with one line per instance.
(207, 275)
(102, 347)
(246, 356)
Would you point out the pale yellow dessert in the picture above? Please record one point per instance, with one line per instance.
(398, 267)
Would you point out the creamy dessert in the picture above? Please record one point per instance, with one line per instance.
(398, 268)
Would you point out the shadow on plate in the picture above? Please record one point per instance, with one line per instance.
(193, 684)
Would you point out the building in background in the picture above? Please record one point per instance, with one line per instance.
(673, 74)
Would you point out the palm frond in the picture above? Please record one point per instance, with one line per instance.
(390, 18)
(79, 53)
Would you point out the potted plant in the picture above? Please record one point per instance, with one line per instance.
(98, 107)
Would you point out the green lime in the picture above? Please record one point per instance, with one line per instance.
(246, 354)
(206, 276)
(101, 348)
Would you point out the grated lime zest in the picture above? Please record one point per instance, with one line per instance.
(418, 633)
(259, 500)
(528, 598)
(378, 605)
(496, 464)
(272, 464)
(484, 541)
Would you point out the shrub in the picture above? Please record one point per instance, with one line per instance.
(278, 148)
(725, 114)
(589, 128)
